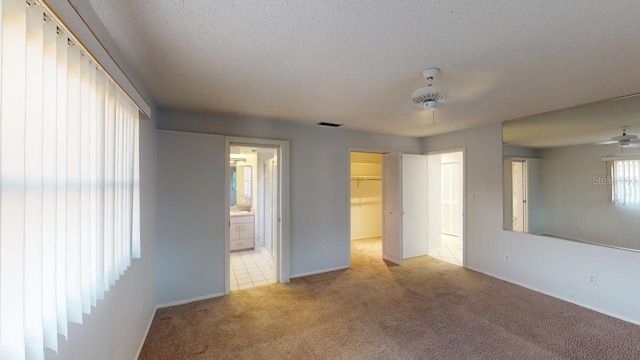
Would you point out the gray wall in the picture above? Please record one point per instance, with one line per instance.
(319, 190)
(577, 207)
(117, 326)
(191, 213)
(555, 267)
(519, 151)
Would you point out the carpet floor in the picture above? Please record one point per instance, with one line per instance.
(426, 309)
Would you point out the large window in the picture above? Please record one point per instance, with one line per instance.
(625, 175)
(69, 189)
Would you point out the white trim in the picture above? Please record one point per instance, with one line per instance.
(146, 333)
(558, 297)
(293, 276)
(186, 301)
(227, 218)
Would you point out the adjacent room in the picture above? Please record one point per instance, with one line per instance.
(222, 179)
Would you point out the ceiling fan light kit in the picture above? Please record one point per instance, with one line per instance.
(431, 95)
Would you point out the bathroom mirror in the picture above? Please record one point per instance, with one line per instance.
(574, 174)
(241, 185)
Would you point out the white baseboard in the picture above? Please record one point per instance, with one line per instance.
(146, 333)
(318, 272)
(559, 297)
(186, 301)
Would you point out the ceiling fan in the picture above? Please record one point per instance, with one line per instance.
(430, 96)
(623, 140)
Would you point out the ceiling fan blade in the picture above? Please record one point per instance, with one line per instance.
(447, 101)
(606, 142)
(410, 105)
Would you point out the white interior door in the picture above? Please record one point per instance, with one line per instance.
(434, 204)
(268, 206)
(447, 199)
(274, 205)
(392, 208)
(518, 195)
(414, 205)
(451, 197)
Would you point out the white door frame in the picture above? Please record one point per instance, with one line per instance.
(282, 257)
(464, 195)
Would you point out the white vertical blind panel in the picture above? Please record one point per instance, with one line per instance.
(392, 207)
(110, 277)
(126, 198)
(93, 186)
(33, 181)
(130, 164)
(116, 185)
(85, 184)
(74, 270)
(135, 237)
(12, 208)
(49, 129)
(100, 168)
(61, 185)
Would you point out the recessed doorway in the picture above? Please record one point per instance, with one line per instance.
(257, 249)
(366, 204)
(446, 206)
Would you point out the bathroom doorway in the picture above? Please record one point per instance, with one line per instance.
(446, 206)
(256, 245)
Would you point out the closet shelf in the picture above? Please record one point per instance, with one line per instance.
(366, 178)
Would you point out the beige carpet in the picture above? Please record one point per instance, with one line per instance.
(426, 309)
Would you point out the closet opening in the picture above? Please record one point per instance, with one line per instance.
(255, 246)
(366, 206)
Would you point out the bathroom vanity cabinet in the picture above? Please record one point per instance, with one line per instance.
(242, 232)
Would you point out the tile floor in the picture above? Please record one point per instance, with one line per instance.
(250, 268)
(450, 250)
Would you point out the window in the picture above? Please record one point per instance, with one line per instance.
(625, 176)
(69, 186)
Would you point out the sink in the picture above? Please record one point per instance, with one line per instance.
(240, 213)
(243, 207)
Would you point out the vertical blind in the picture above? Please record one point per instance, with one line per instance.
(626, 181)
(69, 189)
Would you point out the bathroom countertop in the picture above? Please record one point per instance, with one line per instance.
(240, 213)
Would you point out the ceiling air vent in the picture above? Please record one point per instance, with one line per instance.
(328, 124)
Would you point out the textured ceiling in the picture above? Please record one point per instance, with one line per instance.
(357, 62)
